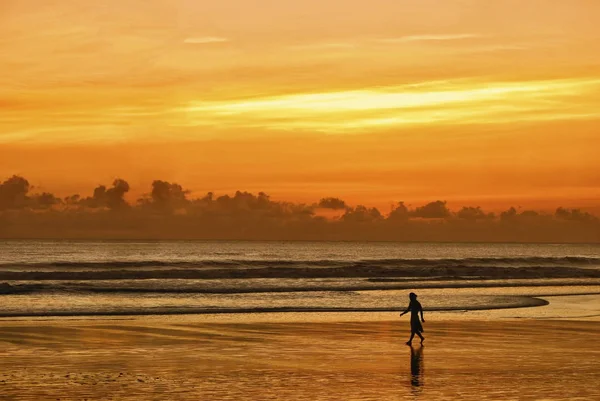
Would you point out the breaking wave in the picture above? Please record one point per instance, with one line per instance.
(528, 267)
(58, 278)
(233, 263)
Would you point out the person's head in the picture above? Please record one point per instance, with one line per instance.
(412, 296)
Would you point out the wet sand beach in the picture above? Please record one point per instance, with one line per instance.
(526, 354)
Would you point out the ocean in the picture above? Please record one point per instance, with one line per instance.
(97, 278)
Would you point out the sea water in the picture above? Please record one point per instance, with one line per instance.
(66, 278)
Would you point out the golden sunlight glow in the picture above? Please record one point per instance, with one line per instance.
(475, 102)
(386, 107)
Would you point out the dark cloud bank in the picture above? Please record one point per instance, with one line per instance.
(169, 212)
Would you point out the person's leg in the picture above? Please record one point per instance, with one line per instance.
(412, 335)
(421, 337)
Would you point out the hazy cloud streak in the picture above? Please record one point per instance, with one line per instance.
(425, 38)
(205, 40)
(385, 107)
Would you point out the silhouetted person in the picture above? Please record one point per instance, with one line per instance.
(415, 324)
(416, 367)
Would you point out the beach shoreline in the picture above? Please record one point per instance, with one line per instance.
(527, 353)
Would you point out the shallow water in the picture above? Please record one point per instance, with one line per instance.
(42, 278)
(435, 299)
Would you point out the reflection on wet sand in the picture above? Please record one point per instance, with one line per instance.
(416, 369)
(191, 359)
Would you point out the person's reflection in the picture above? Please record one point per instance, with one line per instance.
(416, 367)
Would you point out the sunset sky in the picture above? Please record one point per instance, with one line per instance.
(488, 103)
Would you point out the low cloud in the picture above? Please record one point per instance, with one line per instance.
(165, 196)
(399, 213)
(45, 200)
(433, 210)
(362, 214)
(111, 198)
(473, 213)
(332, 203)
(574, 215)
(513, 215)
(13, 193)
(168, 211)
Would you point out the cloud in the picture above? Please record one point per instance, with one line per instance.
(399, 213)
(495, 48)
(509, 215)
(72, 200)
(45, 200)
(165, 196)
(169, 212)
(332, 203)
(513, 216)
(325, 46)
(362, 214)
(473, 213)
(432, 210)
(449, 102)
(13, 193)
(574, 215)
(250, 208)
(204, 40)
(111, 198)
(430, 38)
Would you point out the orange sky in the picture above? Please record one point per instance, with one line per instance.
(492, 103)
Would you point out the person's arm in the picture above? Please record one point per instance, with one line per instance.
(407, 310)
(421, 310)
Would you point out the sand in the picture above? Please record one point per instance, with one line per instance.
(525, 354)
